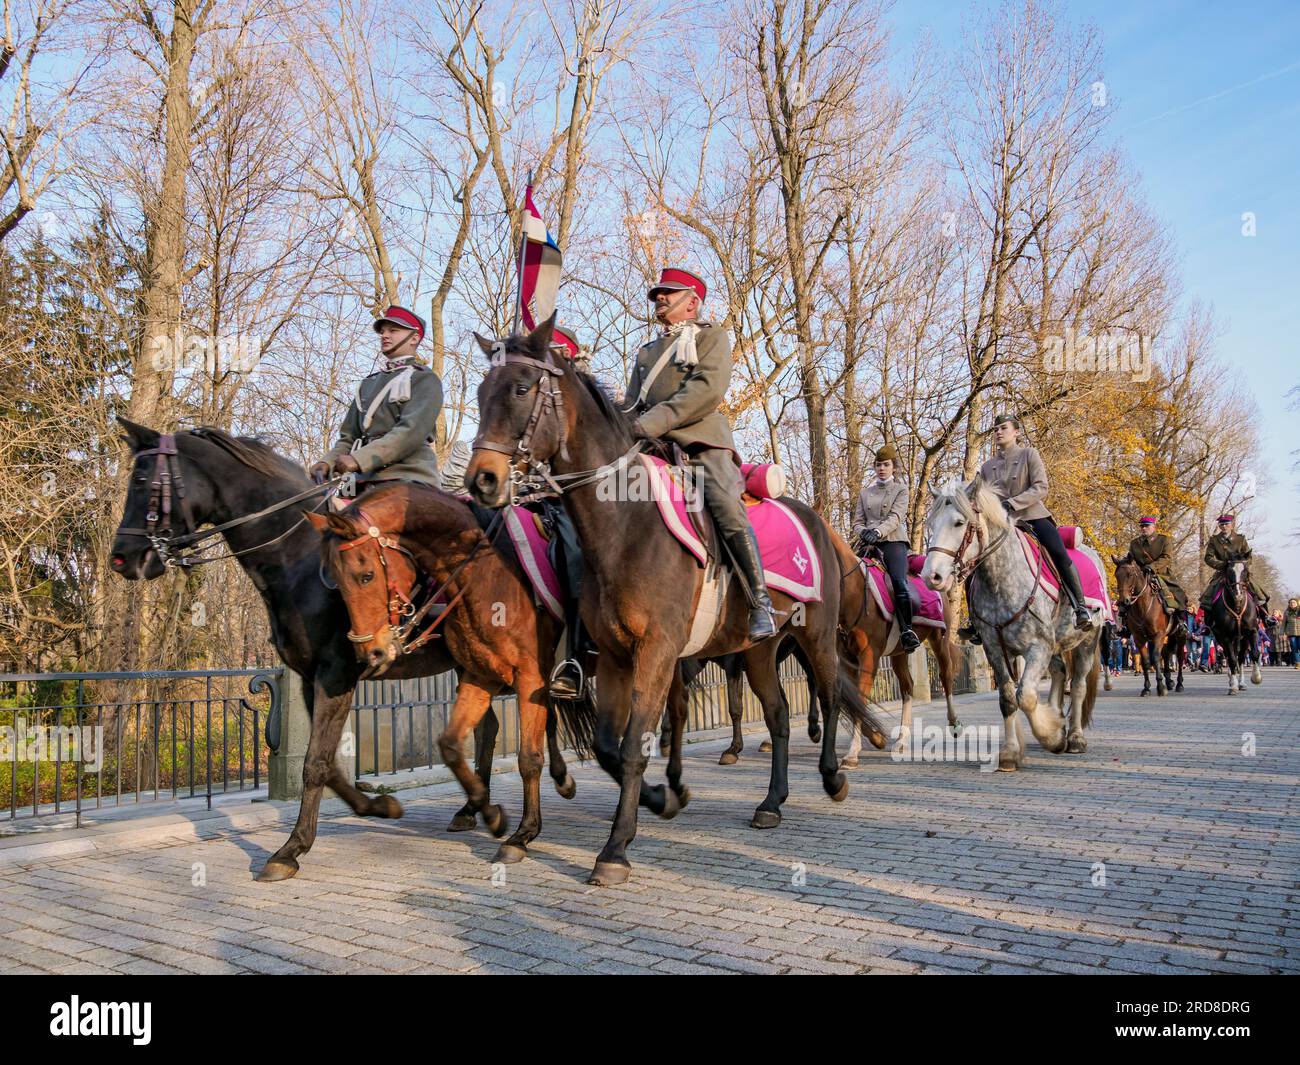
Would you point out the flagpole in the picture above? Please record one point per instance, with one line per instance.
(523, 247)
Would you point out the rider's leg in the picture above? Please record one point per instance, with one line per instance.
(720, 482)
(1045, 531)
(567, 677)
(895, 556)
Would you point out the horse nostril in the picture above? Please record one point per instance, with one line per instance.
(119, 561)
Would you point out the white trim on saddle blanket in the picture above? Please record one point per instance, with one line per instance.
(931, 612)
(790, 562)
(1091, 576)
(530, 547)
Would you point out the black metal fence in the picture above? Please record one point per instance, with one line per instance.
(74, 740)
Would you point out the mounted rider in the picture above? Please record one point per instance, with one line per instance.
(677, 383)
(880, 521)
(391, 422)
(1154, 553)
(1224, 547)
(568, 677)
(1017, 475)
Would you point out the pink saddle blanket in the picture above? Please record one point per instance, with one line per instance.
(1091, 578)
(790, 564)
(530, 545)
(927, 605)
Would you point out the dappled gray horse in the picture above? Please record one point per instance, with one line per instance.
(970, 538)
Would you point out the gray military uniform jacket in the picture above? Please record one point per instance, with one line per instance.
(883, 507)
(681, 404)
(390, 436)
(1018, 476)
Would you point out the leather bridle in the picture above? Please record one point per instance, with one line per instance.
(403, 614)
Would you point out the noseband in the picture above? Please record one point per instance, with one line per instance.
(166, 478)
(963, 570)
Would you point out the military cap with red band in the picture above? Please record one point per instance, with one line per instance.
(401, 317)
(1148, 520)
(564, 338)
(675, 279)
(1227, 519)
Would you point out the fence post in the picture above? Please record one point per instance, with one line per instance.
(918, 662)
(284, 773)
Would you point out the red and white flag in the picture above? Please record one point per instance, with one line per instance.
(540, 264)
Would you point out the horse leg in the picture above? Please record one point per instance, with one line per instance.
(903, 672)
(1158, 660)
(735, 711)
(862, 651)
(677, 707)
(814, 701)
(1012, 755)
(473, 701)
(1044, 719)
(485, 745)
(533, 713)
(760, 669)
(1056, 669)
(1144, 655)
(651, 675)
(1081, 665)
(328, 716)
(565, 786)
(945, 652)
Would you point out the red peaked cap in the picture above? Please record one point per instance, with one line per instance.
(1148, 520)
(675, 279)
(400, 316)
(564, 338)
(1225, 518)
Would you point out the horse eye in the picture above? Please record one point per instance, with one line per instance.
(960, 521)
(523, 389)
(367, 577)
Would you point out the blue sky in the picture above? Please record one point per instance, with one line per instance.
(1208, 111)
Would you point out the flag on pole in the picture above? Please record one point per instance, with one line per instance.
(539, 267)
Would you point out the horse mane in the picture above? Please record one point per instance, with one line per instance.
(620, 422)
(249, 451)
(989, 504)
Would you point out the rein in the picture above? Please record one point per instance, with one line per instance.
(400, 605)
(158, 530)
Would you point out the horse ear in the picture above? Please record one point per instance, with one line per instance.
(540, 338)
(1116, 561)
(338, 525)
(485, 344)
(137, 437)
(973, 489)
(320, 522)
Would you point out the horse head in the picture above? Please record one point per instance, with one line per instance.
(523, 419)
(1130, 580)
(957, 530)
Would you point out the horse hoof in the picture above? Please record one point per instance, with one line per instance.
(877, 740)
(956, 727)
(278, 869)
(610, 874)
(665, 749)
(672, 805)
(684, 797)
(1008, 766)
(765, 819)
(496, 819)
(462, 822)
(510, 854)
(1232, 691)
(1076, 745)
(848, 763)
(1160, 692)
(815, 733)
(1180, 686)
(385, 806)
(1145, 692)
(728, 758)
(840, 793)
(566, 788)
(765, 747)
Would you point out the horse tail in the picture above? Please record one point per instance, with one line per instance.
(577, 722)
(1090, 691)
(854, 707)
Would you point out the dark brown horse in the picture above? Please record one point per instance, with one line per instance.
(229, 479)
(1160, 642)
(378, 549)
(542, 419)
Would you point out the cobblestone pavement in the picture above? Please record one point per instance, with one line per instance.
(932, 867)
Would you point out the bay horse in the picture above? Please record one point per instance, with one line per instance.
(866, 632)
(219, 478)
(972, 539)
(1233, 617)
(545, 419)
(377, 549)
(1159, 641)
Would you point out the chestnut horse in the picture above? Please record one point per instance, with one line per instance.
(866, 632)
(377, 550)
(1144, 616)
(546, 420)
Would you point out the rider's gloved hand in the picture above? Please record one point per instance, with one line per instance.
(346, 464)
(871, 537)
(1006, 505)
(638, 432)
(319, 472)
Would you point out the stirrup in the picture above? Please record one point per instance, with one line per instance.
(909, 640)
(761, 623)
(561, 684)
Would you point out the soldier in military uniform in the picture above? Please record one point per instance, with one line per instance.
(1017, 474)
(1227, 545)
(880, 521)
(389, 425)
(1152, 551)
(674, 391)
